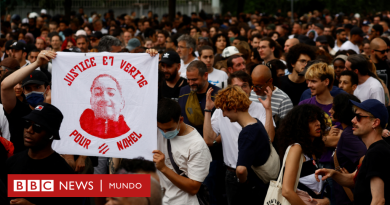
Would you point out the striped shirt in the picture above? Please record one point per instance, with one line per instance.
(280, 102)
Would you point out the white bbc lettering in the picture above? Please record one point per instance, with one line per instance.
(47, 185)
(19, 185)
(33, 185)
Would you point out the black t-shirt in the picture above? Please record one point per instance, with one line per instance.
(253, 149)
(376, 163)
(173, 93)
(16, 124)
(21, 163)
(293, 90)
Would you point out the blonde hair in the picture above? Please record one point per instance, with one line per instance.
(321, 71)
(232, 98)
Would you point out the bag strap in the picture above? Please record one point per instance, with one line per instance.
(337, 165)
(178, 171)
(280, 178)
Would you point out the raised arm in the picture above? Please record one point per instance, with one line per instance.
(8, 96)
(208, 133)
(269, 122)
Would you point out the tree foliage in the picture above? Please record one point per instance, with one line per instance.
(304, 6)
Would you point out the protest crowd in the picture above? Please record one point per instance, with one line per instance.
(245, 103)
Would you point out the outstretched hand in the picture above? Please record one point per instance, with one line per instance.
(325, 173)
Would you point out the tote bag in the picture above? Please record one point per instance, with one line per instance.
(274, 194)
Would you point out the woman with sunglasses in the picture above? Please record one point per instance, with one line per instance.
(350, 148)
(302, 128)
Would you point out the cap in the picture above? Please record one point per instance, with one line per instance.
(133, 43)
(43, 11)
(341, 57)
(25, 20)
(322, 39)
(97, 34)
(36, 77)
(357, 15)
(366, 23)
(376, 108)
(319, 25)
(357, 31)
(124, 26)
(15, 17)
(170, 57)
(8, 44)
(19, 46)
(68, 32)
(229, 51)
(271, 27)
(10, 63)
(33, 15)
(48, 116)
(81, 32)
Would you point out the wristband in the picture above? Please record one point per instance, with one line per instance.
(206, 110)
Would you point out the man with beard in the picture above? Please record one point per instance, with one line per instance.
(195, 91)
(295, 83)
(341, 37)
(378, 56)
(170, 66)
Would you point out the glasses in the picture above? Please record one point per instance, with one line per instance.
(36, 127)
(260, 87)
(203, 38)
(303, 61)
(262, 47)
(383, 51)
(359, 117)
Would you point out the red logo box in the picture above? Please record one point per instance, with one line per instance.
(78, 185)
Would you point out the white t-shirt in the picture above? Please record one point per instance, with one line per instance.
(230, 130)
(371, 89)
(183, 67)
(349, 45)
(4, 126)
(217, 76)
(192, 156)
(336, 48)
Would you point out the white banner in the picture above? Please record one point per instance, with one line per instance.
(109, 103)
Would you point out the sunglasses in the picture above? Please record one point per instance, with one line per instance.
(383, 51)
(260, 87)
(359, 117)
(36, 127)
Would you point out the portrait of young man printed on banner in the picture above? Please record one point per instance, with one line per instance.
(104, 119)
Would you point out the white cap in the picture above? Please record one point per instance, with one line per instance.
(25, 20)
(43, 11)
(229, 51)
(33, 15)
(81, 33)
(357, 16)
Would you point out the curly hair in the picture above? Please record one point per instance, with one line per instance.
(215, 38)
(232, 98)
(342, 107)
(296, 51)
(294, 128)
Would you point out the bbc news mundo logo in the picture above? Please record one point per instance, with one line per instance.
(78, 185)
